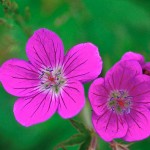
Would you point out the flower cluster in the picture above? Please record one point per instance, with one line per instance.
(51, 81)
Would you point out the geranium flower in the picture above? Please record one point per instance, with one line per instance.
(50, 81)
(140, 58)
(119, 103)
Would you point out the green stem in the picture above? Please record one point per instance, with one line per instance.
(86, 117)
(93, 144)
(119, 146)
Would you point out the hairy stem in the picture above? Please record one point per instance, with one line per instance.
(86, 117)
(93, 144)
(119, 146)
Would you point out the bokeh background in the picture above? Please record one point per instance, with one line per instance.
(115, 26)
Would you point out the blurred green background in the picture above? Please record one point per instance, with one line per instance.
(115, 26)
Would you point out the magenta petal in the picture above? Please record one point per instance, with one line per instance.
(109, 125)
(36, 109)
(83, 62)
(140, 90)
(98, 95)
(122, 74)
(45, 48)
(133, 56)
(139, 124)
(19, 77)
(71, 99)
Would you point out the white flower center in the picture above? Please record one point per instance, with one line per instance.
(52, 79)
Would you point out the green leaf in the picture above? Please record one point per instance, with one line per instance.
(73, 140)
(83, 138)
(86, 144)
(79, 126)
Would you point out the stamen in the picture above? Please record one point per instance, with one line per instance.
(52, 79)
(119, 102)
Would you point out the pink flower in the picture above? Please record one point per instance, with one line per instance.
(119, 103)
(50, 81)
(138, 57)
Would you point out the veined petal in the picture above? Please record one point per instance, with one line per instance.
(19, 77)
(140, 90)
(71, 99)
(122, 74)
(38, 108)
(98, 96)
(83, 62)
(139, 124)
(109, 125)
(45, 48)
(133, 56)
